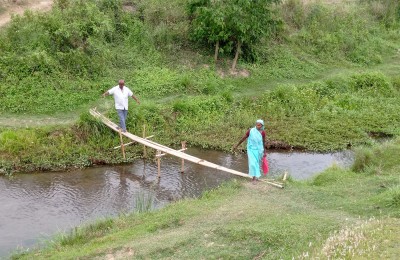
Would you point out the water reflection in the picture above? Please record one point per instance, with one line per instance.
(35, 206)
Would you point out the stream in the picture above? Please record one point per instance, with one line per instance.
(37, 206)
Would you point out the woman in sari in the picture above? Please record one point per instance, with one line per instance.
(255, 148)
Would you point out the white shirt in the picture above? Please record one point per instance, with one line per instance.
(121, 96)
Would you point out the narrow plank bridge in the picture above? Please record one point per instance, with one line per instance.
(167, 150)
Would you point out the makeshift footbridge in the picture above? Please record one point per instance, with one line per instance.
(167, 150)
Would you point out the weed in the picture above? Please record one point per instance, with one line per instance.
(144, 202)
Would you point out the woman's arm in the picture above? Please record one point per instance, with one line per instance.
(242, 140)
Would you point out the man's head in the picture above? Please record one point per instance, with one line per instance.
(121, 83)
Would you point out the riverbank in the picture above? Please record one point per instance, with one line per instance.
(340, 213)
(69, 199)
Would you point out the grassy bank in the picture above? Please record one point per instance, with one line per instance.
(350, 214)
(325, 115)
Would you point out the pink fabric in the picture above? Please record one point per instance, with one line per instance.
(265, 167)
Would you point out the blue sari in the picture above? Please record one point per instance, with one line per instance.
(255, 151)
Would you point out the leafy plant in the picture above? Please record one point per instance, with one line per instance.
(231, 23)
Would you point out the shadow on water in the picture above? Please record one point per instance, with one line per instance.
(36, 206)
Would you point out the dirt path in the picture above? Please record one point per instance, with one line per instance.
(17, 7)
(36, 121)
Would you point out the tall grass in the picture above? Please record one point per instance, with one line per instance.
(377, 158)
(346, 32)
(144, 202)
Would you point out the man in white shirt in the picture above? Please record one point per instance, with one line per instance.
(121, 94)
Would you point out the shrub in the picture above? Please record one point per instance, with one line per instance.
(394, 196)
(15, 142)
(386, 155)
(331, 176)
(372, 83)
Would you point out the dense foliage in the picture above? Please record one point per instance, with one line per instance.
(231, 24)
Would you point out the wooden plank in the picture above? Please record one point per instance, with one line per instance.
(183, 160)
(165, 149)
(164, 154)
(144, 147)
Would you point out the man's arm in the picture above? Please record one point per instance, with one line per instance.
(136, 99)
(105, 94)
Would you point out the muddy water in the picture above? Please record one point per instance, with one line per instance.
(36, 206)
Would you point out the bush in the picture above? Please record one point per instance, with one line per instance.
(340, 33)
(386, 155)
(331, 176)
(15, 142)
(167, 22)
(394, 195)
(372, 83)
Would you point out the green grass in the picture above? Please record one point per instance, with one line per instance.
(338, 213)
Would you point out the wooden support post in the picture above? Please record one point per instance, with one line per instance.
(144, 146)
(284, 176)
(158, 163)
(183, 161)
(122, 143)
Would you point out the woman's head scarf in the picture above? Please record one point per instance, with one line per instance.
(261, 122)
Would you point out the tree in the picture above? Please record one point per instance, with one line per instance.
(208, 23)
(232, 22)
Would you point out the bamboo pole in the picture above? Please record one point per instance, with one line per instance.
(164, 154)
(274, 181)
(273, 184)
(183, 160)
(158, 163)
(122, 144)
(284, 176)
(130, 143)
(144, 146)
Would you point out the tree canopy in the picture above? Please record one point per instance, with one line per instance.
(229, 23)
